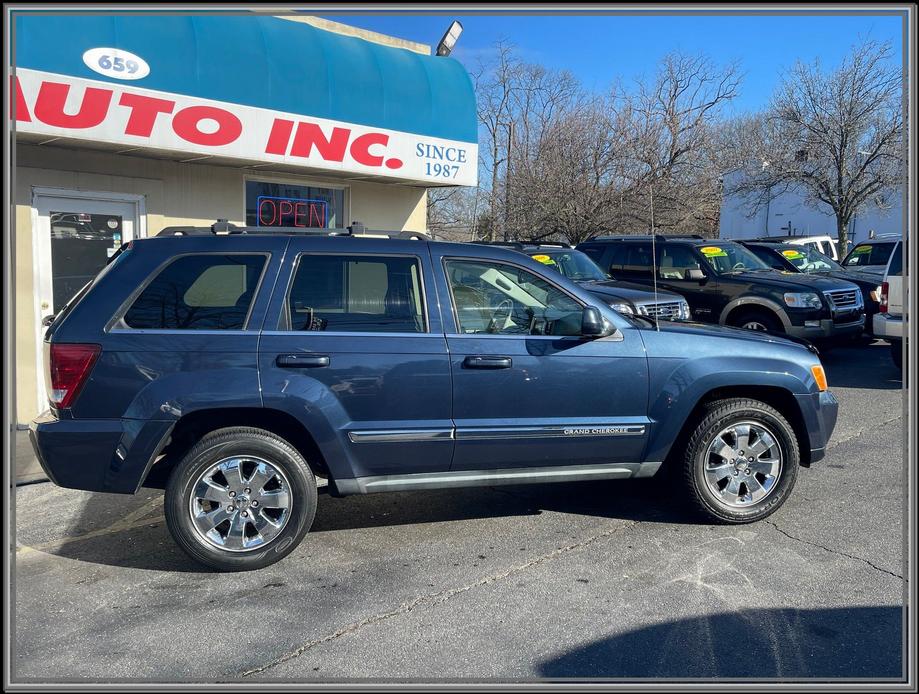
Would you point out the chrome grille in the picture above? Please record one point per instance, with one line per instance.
(844, 298)
(664, 311)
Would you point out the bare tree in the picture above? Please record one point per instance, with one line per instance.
(835, 135)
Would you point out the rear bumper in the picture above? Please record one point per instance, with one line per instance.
(819, 411)
(887, 326)
(827, 328)
(98, 455)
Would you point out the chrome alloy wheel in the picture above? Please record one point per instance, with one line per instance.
(743, 463)
(240, 503)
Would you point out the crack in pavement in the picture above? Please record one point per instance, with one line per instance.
(438, 597)
(833, 551)
(858, 433)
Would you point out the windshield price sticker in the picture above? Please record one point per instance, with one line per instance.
(862, 249)
(713, 252)
(544, 259)
(794, 255)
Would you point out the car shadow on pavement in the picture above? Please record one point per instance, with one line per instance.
(867, 366)
(864, 642)
(147, 544)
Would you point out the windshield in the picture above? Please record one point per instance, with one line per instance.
(869, 254)
(572, 264)
(808, 259)
(728, 258)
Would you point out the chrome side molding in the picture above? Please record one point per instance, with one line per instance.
(487, 478)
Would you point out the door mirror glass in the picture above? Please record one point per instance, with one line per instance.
(592, 322)
(694, 274)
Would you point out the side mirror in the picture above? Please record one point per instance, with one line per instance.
(47, 320)
(694, 274)
(591, 322)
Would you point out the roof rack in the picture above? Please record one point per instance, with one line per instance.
(222, 228)
(646, 237)
(523, 245)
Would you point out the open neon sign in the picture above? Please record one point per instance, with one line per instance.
(291, 212)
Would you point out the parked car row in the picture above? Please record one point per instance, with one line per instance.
(778, 284)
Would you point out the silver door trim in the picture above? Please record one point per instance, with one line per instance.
(487, 478)
(400, 435)
(550, 431)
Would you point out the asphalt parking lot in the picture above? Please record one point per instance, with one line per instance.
(602, 579)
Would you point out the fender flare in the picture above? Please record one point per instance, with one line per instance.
(759, 302)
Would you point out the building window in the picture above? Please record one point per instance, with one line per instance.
(356, 294)
(290, 205)
(199, 292)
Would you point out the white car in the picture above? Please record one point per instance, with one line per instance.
(888, 321)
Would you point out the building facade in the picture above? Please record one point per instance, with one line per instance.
(126, 124)
(790, 213)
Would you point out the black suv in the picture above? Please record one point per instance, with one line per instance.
(237, 369)
(794, 258)
(726, 283)
(625, 297)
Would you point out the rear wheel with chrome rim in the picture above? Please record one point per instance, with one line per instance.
(241, 499)
(741, 461)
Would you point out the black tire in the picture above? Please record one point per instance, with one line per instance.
(896, 354)
(240, 442)
(716, 417)
(760, 316)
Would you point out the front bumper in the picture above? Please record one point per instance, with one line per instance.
(98, 455)
(826, 327)
(819, 411)
(888, 327)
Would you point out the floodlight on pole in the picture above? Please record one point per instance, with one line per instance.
(449, 39)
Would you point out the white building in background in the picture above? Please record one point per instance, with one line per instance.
(789, 213)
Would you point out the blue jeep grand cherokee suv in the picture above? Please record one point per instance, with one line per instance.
(234, 369)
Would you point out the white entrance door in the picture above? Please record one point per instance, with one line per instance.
(75, 233)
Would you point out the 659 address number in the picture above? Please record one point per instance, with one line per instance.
(114, 62)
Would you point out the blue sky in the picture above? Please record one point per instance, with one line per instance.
(597, 49)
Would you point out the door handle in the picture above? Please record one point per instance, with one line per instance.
(302, 361)
(477, 361)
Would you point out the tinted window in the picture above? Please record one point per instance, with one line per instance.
(869, 254)
(356, 294)
(500, 299)
(768, 256)
(594, 252)
(896, 261)
(199, 292)
(633, 259)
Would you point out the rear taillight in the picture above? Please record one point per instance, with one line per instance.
(67, 367)
(884, 292)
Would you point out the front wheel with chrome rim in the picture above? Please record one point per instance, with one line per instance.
(741, 461)
(241, 499)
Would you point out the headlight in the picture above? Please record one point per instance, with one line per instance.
(623, 308)
(684, 311)
(802, 300)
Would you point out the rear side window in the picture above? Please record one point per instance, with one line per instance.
(199, 292)
(632, 259)
(869, 254)
(340, 293)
